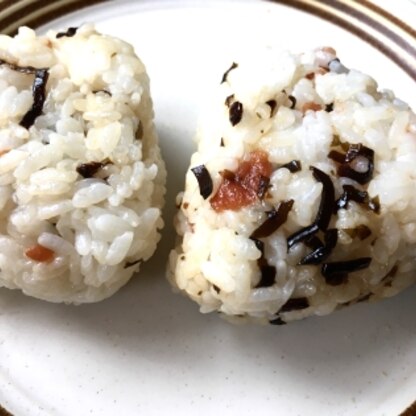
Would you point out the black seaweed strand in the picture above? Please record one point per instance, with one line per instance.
(277, 321)
(275, 219)
(39, 97)
(272, 104)
(236, 113)
(263, 186)
(325, 210)
(69, 33)
(322, 252)
(345, 170)
(293, 166)
(292, 100)
(21, 69)
(267, 272)
(225, 76)
(295, 304)
(301, 235)
(326, 206)
(336, 273)
(88, 170)
(204, 180)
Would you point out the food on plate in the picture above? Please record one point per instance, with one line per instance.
(82, 181)
(301, 196)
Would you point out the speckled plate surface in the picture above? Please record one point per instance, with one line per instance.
(149, 352)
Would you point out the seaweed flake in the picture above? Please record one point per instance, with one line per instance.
(292, 99)
(235, 113)
(204, 180)
(361, 197)
(133, 263)
(323, 216)
(102, 91)
(326, 205)
(293, 166)
(272, 104)
(225, 76)
(374, 204)
(301, 235)
(216, 288)
(39, 96)
(329, 107)
(263, 185)
(336, 273)
(69, 33)
(295, 304)
(229, 100)
(275, 219)
(267, 272)
(88, 170)
(313, 242)
(17, 68)
(277, 321)
(361, 231)
(388, 278)
(322, 252)
(345, 169)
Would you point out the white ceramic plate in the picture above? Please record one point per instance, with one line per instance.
(149, 352)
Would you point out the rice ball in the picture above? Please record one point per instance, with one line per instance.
(300, 198)
(82, 181)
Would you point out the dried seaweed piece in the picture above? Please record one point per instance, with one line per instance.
(277, 321)
(267, 272)
(346, 170)
(301, 235)
(293, 166)
(329, 107)
(361, 231)
(374, 205)
(326, 205)
(263, 185)
(336, 273)
(292, 99)
(236, 113)
(275, 219)
(229, 100)
(351, 194)
(272, 104)
(39, 96)
(204, 180)
(361, 197)
(268, 275)
(88, 170)
(69, 33)
(322, 252)
(17, 68)
(132, 263)
(225, 76)
(295, 304)
(38, 90)
(102, 91)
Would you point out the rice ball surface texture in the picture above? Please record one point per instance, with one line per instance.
(301, 197)
(81, 176)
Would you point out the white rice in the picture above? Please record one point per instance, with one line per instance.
(218, 265)
(97, 109)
